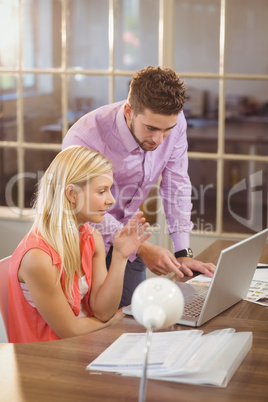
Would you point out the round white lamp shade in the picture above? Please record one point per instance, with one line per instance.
(157, 302)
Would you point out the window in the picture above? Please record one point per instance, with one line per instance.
(226, 111)
(63, 58)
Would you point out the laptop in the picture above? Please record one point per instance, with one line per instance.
(230, 283)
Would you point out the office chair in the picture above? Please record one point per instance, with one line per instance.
(4, 267)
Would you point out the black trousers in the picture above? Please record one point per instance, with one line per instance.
(135, 273)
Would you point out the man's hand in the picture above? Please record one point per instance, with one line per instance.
(188, 265)
(161, 262)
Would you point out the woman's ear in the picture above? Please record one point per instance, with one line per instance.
(71, 193)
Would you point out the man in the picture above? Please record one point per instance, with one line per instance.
(145, 138)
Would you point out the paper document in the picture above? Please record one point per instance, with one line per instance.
(258, 290)
(178, 356)
(258, 293)
(261, 273)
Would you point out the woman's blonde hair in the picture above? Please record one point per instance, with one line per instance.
(55, 219)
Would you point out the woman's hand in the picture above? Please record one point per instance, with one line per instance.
(131, 236)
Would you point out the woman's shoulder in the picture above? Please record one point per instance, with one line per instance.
(34, 244)
(34, 238)
(37, 257)
(35, 262)
(30, 240)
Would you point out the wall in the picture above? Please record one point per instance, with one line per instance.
(11, 233)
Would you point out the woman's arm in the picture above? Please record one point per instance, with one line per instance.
(107, 288)
(42, 280)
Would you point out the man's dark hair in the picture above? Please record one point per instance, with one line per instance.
(158, 89)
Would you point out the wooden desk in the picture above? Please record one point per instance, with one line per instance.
(55, 371)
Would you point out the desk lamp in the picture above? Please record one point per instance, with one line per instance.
(156, 303)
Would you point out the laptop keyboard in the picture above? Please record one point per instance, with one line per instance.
(193, 307)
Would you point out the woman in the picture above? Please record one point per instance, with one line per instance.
(58, 282)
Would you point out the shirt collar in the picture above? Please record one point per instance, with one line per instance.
(124, 133)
